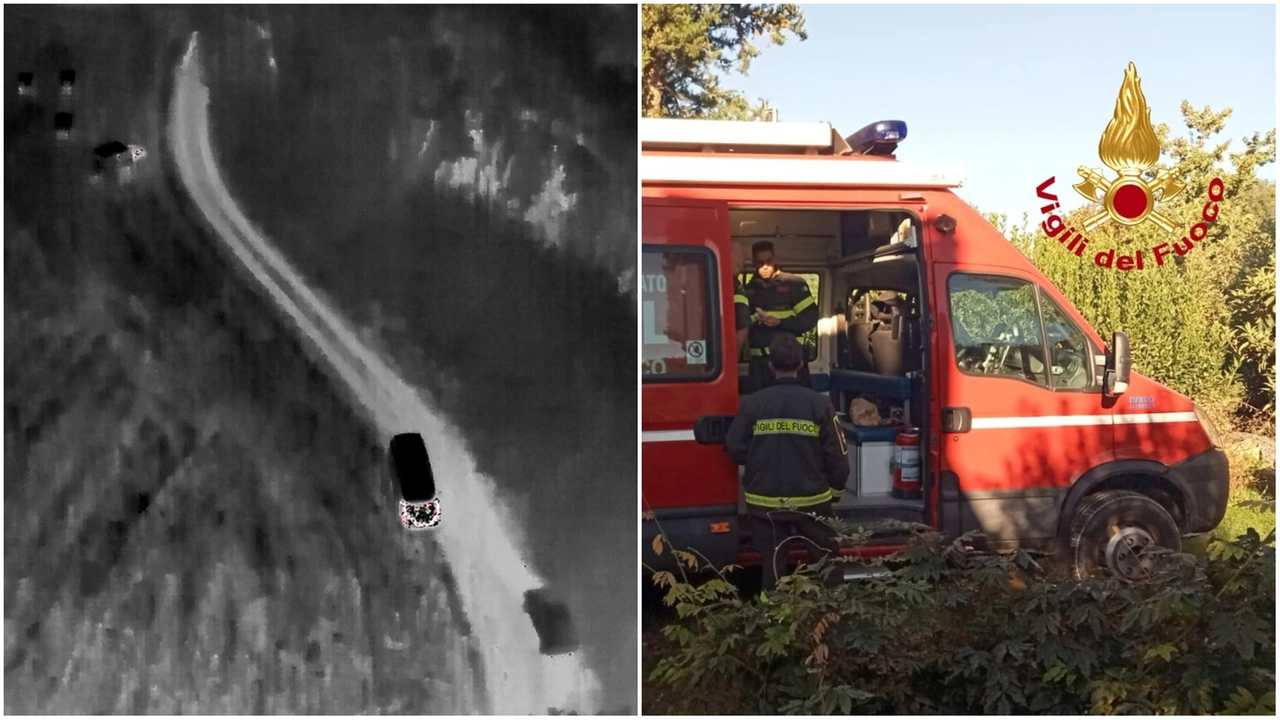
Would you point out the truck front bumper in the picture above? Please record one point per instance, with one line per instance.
(1207, 478)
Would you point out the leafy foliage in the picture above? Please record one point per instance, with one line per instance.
(194, 519)
(686, 47)
(503, 329)
(950, 631)
(1253, 309)
(175, 539)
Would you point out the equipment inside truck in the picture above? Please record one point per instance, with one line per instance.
(863, 269)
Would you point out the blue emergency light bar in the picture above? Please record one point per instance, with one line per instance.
(879, 138)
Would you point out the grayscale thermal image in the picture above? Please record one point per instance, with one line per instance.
(319, 353)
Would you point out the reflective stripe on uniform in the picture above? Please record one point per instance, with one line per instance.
(759, 352)
(780, 314)
(784, 426)
(740, 300)
(806, 302)
(778, 502)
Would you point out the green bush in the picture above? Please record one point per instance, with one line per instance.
(1253, 348)
(957, 632)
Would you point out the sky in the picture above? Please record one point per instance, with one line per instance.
(1014, 94)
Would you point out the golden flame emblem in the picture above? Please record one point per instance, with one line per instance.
(1129, 147)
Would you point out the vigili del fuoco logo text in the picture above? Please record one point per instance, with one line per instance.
(1129, 147)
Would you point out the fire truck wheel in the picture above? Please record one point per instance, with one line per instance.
(1110, 530)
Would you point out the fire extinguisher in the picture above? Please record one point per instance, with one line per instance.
(906, 465)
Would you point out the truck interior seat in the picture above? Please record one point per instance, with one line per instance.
(888, 337)
(859, 335)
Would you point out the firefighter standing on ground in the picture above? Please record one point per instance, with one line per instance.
(796, 461)
(780, 305)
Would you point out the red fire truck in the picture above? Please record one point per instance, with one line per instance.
(1030, 427)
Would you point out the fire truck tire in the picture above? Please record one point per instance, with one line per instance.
(1111, 527)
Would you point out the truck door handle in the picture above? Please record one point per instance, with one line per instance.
(712, 429)
(957, 420)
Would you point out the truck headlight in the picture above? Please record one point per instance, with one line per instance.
(1208, 426)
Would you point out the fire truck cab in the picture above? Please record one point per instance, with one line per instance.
(1032, 429)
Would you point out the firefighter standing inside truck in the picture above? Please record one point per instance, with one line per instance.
(796, 461)
(780, 305)
(741, 314)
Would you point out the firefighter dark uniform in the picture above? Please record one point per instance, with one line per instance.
(796, 462)
(787, 298)
(741, 306)
(742, 321)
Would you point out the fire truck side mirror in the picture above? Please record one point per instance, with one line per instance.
(1116, 378)
(711, 429)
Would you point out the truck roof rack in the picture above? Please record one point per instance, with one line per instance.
(728, 136)
(723, 170)
(701, 151)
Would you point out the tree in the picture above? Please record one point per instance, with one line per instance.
(685, 49)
